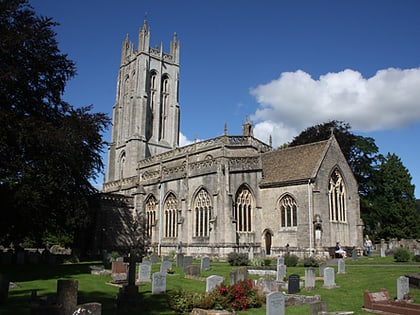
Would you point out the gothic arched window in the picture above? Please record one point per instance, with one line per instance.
(202, 213)
(243, 210)
(150, 215)
(170, 209)
(121, 166)
(337, 197)
(288, 211)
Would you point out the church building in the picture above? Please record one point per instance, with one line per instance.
(231, 193)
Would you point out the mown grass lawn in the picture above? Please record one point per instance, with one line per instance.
(364, 274)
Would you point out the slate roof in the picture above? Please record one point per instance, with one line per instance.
(292, 165)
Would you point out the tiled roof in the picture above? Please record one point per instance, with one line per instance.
(293, 164)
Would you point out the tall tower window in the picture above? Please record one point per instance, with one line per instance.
(202, 213)
(243, 210)
(150, 215)
(164, 106)
(121, 166)
(171, 216)
(337, 197)
(288, 211)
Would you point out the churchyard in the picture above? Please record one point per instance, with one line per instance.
(341, 288)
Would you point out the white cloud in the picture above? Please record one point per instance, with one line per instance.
(183, 140)
(288, 105)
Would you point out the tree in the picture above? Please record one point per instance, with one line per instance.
(49, 150)
(392, 202)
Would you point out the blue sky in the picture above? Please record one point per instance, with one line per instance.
(288, 65)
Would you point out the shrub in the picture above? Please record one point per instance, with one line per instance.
(183, 302)
(256, 262)
(310, 262)
(416, 258)
(267, 262)
(401, 255)
(238, 259)
(291, 260)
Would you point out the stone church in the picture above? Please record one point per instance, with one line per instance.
(225, 194)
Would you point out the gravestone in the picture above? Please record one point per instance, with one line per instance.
(4, 288)
(119, 267)
(322, 267)
(67, 295)
(316, 308)
(145, 272)
(205, 263)
(154, 259)
(280, 260)
(275, 303)
(237, 275)
(354, 254)
(187, 261)
(179, 260)
(165, 258)
(309, 278)
(263, 254)
(341, 266)
(165, 266)
(402, 287)
(293, 285)
(281, 272)
(212, 282)
(329, 278)
(192, 270)
(159, 283)
(267, 285)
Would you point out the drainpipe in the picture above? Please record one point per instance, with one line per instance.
(310, 217)
(160, 219)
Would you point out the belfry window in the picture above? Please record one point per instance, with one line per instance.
(288, 211)
(337, 197)
(243, 210)
(150, 215)
(171, 216)
(202, 213)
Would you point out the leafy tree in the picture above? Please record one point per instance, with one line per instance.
(392, 201)
(49, 150)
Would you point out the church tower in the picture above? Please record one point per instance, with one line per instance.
(146, 110)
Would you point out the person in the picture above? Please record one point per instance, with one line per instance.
(338, 250)
(368, 245)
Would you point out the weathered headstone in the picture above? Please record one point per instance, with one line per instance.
(263, 254)
(212, 282)
(293, 285)
(240, 274)
(179, 260)
(315, 308)
(119, 267)
(4, 288)
(192, 270)
(165, 266)
(267, 285)
(205, 263)
(402, 287)
(280, 260)
(154, 259)
(354, 254)
(341, 266)
(145, 272)
(275, 304)
(329, 278)
(67, 295)
(165, 258)
(322, 267)
(251, 253)
(159, 282)
(309, 278)
(281, 272)
(188, 261)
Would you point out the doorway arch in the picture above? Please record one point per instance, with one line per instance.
(267, 239)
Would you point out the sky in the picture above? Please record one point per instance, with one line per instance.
(285, 64)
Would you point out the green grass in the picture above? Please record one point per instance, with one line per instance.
(364, 274)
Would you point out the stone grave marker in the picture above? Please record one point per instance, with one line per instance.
(165, 266)
(309, 278)
(212, 282)
(315, 308)
(205, 263)
(267, 285)
(165, 258)
(341, 266)
(402, 287)
(4, 288)
(263, 254)
(280, 260)
(293, 285)
(251, 253)
(145, 272)
(281, 272)
(154, 259)
(322, 267)
(275, 303)
(354, 254)
(159, 283)
(192, 270)
(67, 295)
(179, 260)
(240, 274)
(187, 261)
(329, 278)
